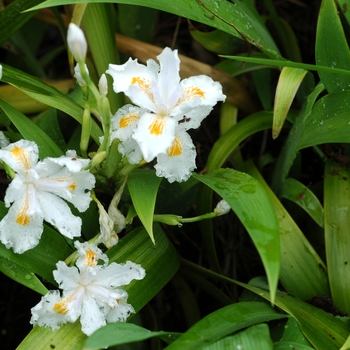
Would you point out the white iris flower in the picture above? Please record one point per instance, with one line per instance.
(90, 291)
(35, 195)
(167, 100)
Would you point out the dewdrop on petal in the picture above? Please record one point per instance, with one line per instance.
(76, 42)
(222, 208)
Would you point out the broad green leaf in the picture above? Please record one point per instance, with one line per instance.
(47, 94)
(302, 196)
(287, 63)
(346, 345)
(252, 205)
(288, 84)
(137, 22)
(48, 122)
(143, 187)
(332, 49)
(22, 275)
(227, 143)
(293, 333)
(303, 273)
(216, 41)
(219, 153)
(239, 19)
(12, 17)
(255, 337)
(337, 222)
(160, 262)
(30, 131)
(322, 329)
(292, 144)
(287, 345)
(122, 333)
(223, 322)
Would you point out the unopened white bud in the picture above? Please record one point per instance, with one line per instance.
(76, 42)
(103, 85)
(222, 208)
(0, 71)
(78, 76)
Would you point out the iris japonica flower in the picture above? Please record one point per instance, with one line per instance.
(37, 192)
(90, 291)
(166, 99)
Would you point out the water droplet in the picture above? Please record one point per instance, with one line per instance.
(28, 276)
(321, 122)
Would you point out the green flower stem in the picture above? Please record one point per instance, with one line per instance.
(175, 220)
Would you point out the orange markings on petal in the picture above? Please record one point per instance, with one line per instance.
(90, 258)
(128, 119)
(61, 307)
(175, 149)
(72, 187)
(22, 156)
(193, 92)
(143, 85)
(23, 219)
(157, 125)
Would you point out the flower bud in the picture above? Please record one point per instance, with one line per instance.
(222, 208)
(78, 75)
(76, 42)
(103, 85)
(0, 71)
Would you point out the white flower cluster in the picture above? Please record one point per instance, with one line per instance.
(36, 194)
(90, 291)
(165, 109)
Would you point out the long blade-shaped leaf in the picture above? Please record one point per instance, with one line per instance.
(239, 19)
(337, 223)
(250, 202)
(143, 187)
(296, 252)
(336, 52)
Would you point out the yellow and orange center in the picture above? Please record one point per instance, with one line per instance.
(143, 85)
(90, 258)
(157, 126)
(61, 307)
(22, 156)
(128, 119)
(175, 149)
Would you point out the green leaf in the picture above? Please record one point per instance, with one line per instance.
(12, 17)
(47, 94)
(302, 196)
(337, 222)
(143, 187)
(252, 205)
(331, 47)
(288, 84)
(322, 329)
(303, 273)
(247, 22)
(122, 333)
(160, 262)
(255, 337)
(22, 275)
(216, 41)
(30, 131)
(223, 322)
(293, 333)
